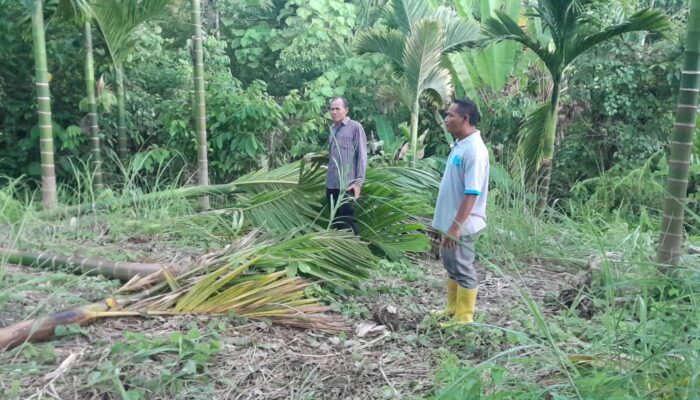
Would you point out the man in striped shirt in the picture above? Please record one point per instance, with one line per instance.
(347, 163)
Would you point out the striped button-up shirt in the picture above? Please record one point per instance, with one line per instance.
(347, 155)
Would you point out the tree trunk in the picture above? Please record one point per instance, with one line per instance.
(122, 151)
(199, 103)
(414, 132)
(43, 96)
(40, 329)
(544, 172)
(95, 149)
(681, 145)
(185, 192)
(112, 269)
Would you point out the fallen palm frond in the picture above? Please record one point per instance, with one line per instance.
(275, 297)
(284, 177)
(111, 269)
(267, 204)
(394, 200)
(256, 277)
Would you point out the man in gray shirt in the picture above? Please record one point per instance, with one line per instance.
(346, 165)
(460, 212)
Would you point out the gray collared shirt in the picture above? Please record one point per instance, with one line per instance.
(466, 172)
(347, 155)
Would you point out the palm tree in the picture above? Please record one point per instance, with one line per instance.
(681, 145)
(80, 13)
(416, 41)
(572, 34)
(199, 104)
(119, 21)
(43, 97)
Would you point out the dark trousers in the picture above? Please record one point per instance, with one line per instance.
(345, 214)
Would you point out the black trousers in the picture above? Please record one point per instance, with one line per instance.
(345, 213)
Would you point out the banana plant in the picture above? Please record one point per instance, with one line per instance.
(475, 71)
(416, 40)
(572, 34)
(119, 21)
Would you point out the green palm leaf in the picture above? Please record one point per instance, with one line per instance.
(387, 42)
(642, 20)
(422, 56)
(458, 32)
(119, 21)
(531, 140)
(503, 27)
(76, 11)
(403, 14)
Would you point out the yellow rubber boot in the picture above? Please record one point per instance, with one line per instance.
(466, 305)
(464, 309)
(449, 310)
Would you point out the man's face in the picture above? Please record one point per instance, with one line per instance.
(454, 120)
(338, 110)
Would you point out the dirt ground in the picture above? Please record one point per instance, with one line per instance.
(262, 361)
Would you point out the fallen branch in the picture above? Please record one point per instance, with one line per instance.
(40, 329)
(180, 193)
(123, 271)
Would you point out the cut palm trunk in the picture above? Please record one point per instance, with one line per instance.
(123, 271)
(40, 329)
(229, 289)
(285, 177)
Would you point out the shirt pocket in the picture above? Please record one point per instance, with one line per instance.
(345, 141)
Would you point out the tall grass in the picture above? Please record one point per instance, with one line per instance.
(642, 342)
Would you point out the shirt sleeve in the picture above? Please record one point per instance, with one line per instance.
(361, 165)
(474, 167)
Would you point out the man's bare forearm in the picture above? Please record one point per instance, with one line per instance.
(464, 210)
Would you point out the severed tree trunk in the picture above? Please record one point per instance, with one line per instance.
(669, 250)
(40, 329)
(199, 103)
(43, 96)
(95, 148)
(186, 192)
(112, 269)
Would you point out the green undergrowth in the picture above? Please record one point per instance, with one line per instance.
(627, 332)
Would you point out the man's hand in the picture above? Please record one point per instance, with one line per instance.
(450, 239)
(356, 190)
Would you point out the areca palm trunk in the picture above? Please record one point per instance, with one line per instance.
(122, 151)
(112, 269)
(43, 96)
(95, 148)
(199, 103)
(414, 130)
(681, 145)
(544, 172)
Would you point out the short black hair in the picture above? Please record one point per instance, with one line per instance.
(345, 101)
(468, 107)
